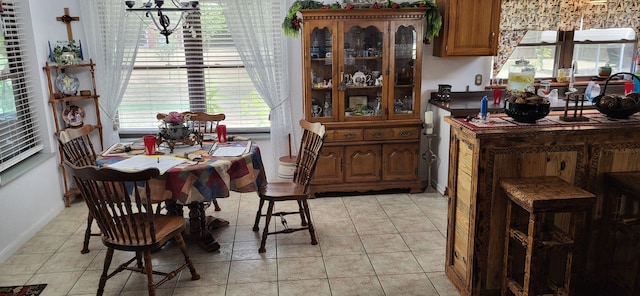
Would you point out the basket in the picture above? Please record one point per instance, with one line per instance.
(617, 106)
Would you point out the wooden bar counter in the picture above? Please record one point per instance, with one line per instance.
(480, 154)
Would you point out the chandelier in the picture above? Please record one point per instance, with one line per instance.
(162, 21)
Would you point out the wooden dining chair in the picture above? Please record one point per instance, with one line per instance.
(203, 124)
(121, 202)
(297, 189)
(206, 123)
(77, 148)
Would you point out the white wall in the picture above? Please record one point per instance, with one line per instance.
(32, 200)
(460, 72)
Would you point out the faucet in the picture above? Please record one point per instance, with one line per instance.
(574, 68)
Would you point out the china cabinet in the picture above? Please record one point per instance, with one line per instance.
(361, 73)
(68, 96)
(469, 28)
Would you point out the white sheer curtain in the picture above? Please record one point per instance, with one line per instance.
(112, 43)
(257, 33)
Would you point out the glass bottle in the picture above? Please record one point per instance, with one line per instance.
(378, 109)
(521, 77)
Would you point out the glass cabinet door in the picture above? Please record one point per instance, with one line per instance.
(404, 70)
(361, 86)
(321, 53)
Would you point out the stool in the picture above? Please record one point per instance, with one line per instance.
(537, 238)
(620, 257)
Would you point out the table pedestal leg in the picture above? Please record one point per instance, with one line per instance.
(198, 228)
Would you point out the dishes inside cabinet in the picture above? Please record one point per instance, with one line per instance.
(67, 83)
(73, 116)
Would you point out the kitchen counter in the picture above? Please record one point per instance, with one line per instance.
(464, 104)
(480, 155)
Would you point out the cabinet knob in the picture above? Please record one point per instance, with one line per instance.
(405, 133)
(377, 135)
(349, 136)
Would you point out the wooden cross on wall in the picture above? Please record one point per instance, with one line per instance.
(67, 19)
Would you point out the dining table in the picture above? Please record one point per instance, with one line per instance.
(197, 181)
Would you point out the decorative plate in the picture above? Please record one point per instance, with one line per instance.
(67, 83)
(73, 116)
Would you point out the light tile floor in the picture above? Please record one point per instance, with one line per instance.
(391, 244)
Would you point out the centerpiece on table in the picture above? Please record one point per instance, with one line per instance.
(175, 129)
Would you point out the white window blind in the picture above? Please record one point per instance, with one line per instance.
(19, 138)
(198, 70)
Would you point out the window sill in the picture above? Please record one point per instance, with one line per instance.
(23, 167)
(578, 82)
(132, 137)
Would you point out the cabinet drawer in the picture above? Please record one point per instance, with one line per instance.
(344, 135)
(396, 133)
(372, 134)
(406, 133)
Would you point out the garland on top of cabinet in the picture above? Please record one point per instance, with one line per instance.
(433, 22)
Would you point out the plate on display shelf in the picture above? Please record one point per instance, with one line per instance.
(67, 83)
(73, 116)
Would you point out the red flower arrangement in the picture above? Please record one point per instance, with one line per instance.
(174, 118)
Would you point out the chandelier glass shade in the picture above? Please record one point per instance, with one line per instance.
(158, 14)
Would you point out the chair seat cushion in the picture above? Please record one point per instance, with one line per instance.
(283, 191)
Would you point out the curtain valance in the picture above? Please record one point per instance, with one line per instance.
(519, 16)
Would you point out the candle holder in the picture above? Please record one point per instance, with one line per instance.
(578, 106)
(429, 155)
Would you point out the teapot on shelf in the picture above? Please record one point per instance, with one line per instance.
(360, 79)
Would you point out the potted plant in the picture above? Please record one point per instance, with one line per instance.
(604, 71)
(174, 125)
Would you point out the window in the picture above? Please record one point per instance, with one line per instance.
(197, 72)
(550, 50)
(19, 138)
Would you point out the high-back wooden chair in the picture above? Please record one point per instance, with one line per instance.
(77, 148)
(205, 124)
(121, 202)
(297, 189)
(76, 145)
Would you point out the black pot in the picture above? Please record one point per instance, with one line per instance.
(526, 113)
